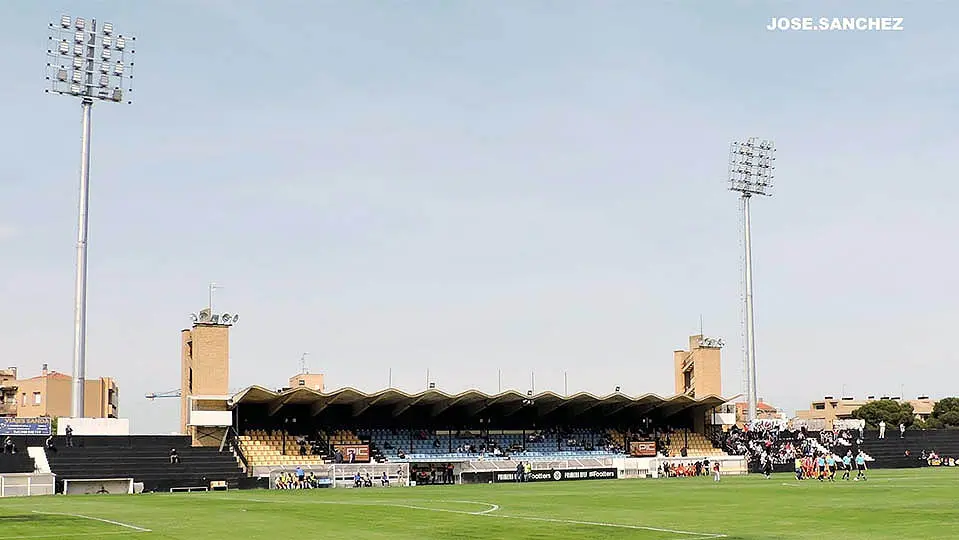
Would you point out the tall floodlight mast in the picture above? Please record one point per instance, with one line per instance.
(751, 167)
(93, 64)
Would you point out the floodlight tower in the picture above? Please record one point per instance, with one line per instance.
(751, 166)
(88, 63)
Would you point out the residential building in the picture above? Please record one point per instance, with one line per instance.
(49, 394)
(8, 392)
(313, 381)
(764, 411)
(830, 409)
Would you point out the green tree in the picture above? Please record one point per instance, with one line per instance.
(887, 410)
(950, 418)
(946, 408)
(930, 423)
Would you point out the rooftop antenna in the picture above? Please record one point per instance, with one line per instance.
(751, 167)
(213, 287)
(303, 369)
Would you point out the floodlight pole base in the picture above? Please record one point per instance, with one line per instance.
(80, 307)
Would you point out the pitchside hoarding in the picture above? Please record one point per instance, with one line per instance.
(24, 426)
(557, 475)
(359, 452)
(642, 448)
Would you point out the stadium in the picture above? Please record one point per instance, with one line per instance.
(471, 464)
(301, 460)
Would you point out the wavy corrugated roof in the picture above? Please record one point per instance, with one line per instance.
(362, 401)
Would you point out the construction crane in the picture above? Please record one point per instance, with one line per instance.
(167, 394)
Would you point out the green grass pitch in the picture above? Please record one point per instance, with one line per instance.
(921, 503)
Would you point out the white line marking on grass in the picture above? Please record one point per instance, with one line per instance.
(101, 520)
(493, 508)
(610, 525)
(61, 535)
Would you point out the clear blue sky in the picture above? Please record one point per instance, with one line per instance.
(472, 186)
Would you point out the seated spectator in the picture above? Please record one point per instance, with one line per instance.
(357, 480)
(50, 445)
(9, 447)
(302, 448)
(174, 457)
(385, 480)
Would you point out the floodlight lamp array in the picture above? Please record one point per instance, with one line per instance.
(89, 62)
(752, 166)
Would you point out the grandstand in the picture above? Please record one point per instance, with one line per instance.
(146, 459)
(19, 462)
(305, 427)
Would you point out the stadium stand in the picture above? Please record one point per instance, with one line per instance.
(891, 451)
(277, 448)
(696, 444)
(423, 444)
(17, 463)
(435, 436)
(146, 459)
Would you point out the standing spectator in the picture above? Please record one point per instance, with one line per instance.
(902, 430)
(882, 429)
(300, 476)
(69, 432)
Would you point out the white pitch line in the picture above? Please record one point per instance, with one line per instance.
(61, 535)
(488, 513)
(101, 520)
(610, 525)
(492, 507)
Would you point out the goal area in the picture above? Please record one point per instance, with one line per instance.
(98, 486)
